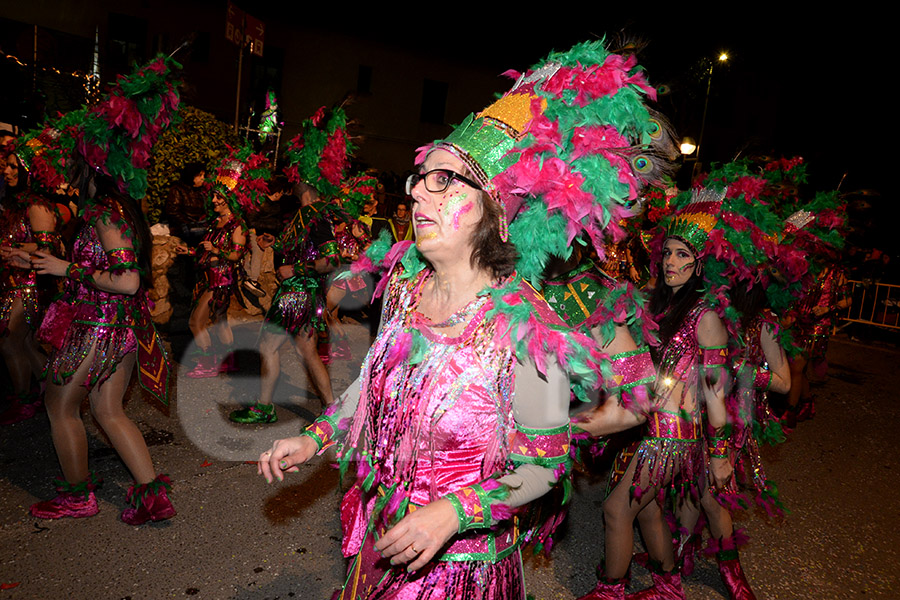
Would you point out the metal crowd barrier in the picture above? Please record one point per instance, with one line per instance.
(874, 304)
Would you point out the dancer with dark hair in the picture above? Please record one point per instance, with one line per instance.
(100, 328)
(317, 160)
(459, 420)
(238, 187)
(27, 222)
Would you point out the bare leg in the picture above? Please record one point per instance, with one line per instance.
(798, 380)
(18, 362)
(199, 321)
(305, 343)
(36, 358)
(224, 332)
(270, 364)
(332, 304)
(66, 427)
(657, 535)
(720, 524)
(126, 438)
(619, 512)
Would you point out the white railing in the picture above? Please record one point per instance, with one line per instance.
(874, 304)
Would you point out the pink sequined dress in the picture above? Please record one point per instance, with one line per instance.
(22, 284)
(751, 417)
(829, 288)
(111, 324)
(440, 417)
(671, 450)
(216, 272)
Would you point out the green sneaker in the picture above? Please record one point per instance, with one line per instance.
(258, 413)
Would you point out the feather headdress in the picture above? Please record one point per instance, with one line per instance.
(242, 179)
(320, 154)
(117, 134)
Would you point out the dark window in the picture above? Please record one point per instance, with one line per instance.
(364, 80)
(200, 47)
(434, 101)
(127, 42)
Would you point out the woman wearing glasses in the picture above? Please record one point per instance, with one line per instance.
(458, 424)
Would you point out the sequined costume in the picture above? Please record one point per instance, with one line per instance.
(216, 272)
(299, 302)
(829, 288)
(750, 416)
(86, 318)
(434, 418)
(671, 451)
(22, 284)
(576, 295)
(350, 246)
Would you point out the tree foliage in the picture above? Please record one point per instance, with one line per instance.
(199, 137)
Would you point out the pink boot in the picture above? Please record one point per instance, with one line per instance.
(607, 589)
(207, 366)
(150, 502)
(22, 408)
(229, 365)
(74, 501)
(666, 586)
(733, 576)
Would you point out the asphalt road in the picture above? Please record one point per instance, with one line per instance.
(236, 537)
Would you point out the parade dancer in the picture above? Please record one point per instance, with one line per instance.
(459, 420)
(317, 162)
(27, 222)
(239, 186)
(691, 373)
(100, 328)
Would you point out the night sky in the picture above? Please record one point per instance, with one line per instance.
(816, 86)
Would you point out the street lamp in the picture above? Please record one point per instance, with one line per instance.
(723, 57)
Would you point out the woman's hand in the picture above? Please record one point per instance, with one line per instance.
(284, 456)
(47, 264)
(264, 240)
(16, 257)
(208, 246)
(721, 471)
(182, 249)
(285, 272)
(419, 535)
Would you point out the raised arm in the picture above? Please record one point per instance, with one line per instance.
(122, 276)
(779, 369)
(627, 397)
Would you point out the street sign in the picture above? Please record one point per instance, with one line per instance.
(234, 25)
(255, 35)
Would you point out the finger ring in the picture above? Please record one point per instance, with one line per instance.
(413, 546)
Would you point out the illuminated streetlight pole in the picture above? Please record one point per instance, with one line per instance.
(723, 57)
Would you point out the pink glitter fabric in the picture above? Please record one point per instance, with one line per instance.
(748, 409)
(671, 451)
(85, 317)
(434, 417)
(216, 272)
(371, 577)
(22, 284)
(810, 331)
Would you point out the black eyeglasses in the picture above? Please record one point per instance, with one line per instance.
(437, 181)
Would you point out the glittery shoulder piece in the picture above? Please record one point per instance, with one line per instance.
(107, 211)
(800, 219)
(542, 309)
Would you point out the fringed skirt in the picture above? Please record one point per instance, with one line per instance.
(371, 577)
(73, 330)
(298, 306)
(669, 458)
(30, 304)
(221, 282)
